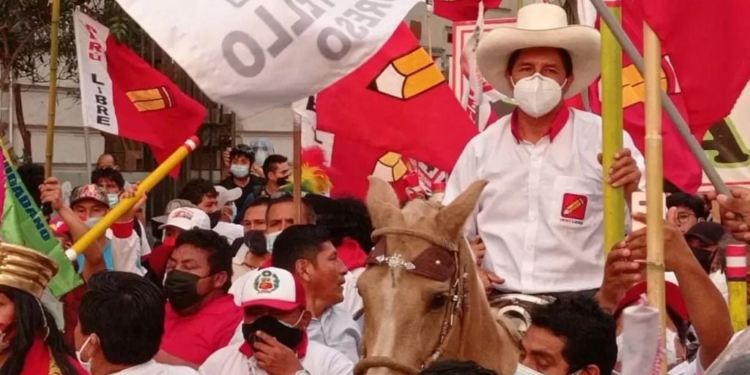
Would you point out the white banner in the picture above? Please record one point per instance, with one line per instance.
(96, 87)
(255, 54)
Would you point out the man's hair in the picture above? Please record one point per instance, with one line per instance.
(298, 242)
(271, 163)
(195, 189)
(588, 332)
(217, 246)
(32, 175)
(126, 312)
(343, 217)
(692, 202)
(108, 174)
(114, 159)
(257, 202)
(288, 198)
(453, 367)
(564, 55)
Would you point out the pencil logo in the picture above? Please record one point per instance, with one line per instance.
(154, 99)
(408, 76)
(634, 88)
(574, 207)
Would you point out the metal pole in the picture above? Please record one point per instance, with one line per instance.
(87, 149)
(297, 141)
(614, 198)
(11, 110)
(52, 88)
(669, 107)
(654, 184)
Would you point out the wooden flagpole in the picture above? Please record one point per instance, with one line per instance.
(52, 87)
(654, 183)
(297, 168)
(612, 124)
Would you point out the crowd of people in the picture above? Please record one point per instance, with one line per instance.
(233, 285)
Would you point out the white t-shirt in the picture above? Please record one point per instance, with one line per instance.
(319, 360)
(687, 368)
(153, 368)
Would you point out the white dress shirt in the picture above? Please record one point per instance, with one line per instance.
(541, 215)
(352, 300)
(153, 368)
(319, 360)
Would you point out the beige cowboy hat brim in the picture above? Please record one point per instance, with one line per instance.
(583, 43)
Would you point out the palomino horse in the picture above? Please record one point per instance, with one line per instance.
(423, 298)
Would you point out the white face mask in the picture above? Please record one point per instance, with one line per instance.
(523, 370)
(537, 95)
(113, 199)
(270, 239)
(86, 365)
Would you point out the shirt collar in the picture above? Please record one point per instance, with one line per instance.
(247, 350)
(563, 114)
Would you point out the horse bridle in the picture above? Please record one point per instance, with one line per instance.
(440, 262)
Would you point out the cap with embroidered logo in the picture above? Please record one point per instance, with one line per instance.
(275, 288)
(187, 218)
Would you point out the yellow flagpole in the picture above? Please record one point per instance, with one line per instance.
(54, 44)
(737, 284)
(614, 198)
(654, 182)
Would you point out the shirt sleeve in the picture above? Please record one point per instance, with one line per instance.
(627, 142)
(126, 248)
(338, 364)
(464, 173)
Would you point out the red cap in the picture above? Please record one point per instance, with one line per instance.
(675, 301)
(59, 227)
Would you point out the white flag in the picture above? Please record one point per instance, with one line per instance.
(255, 54)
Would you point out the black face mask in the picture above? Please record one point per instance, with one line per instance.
(288, 336)
(282, 181)
(181, 289)
(214, 217)
(704, 257)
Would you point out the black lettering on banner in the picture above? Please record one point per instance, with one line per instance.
(93, 79)
(283, 39)
(101, 99)
(361, 18)
(101, 110)
(358, 32)
(100, 90)
(369, 6)
(305, 20)
(237, 3)
(102, 120)
(316, 11)
(324, 45)
(259, 57)
(724, 142)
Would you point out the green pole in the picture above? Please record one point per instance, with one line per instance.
(614, 199)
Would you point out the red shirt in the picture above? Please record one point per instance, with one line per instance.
(195, 337)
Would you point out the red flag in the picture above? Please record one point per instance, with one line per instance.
(709, 47)
(398, 101)
(680, 166)
(125, 96)
(463, 10)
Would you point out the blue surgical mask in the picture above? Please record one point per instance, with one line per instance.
(113, 199)
(239, 171)
(270, 239)
(90, 222)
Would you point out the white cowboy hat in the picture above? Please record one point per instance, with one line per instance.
(540, 25)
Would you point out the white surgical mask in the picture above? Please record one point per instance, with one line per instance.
(240, 171)
(537, 95)
(113, 199)
(523, 370)
(90, 222)
(270, 239)
(86, 365)
(671, 348)
(234, 212)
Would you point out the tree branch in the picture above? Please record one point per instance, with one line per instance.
(7, 70)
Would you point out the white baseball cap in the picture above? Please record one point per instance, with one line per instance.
(187, 218)
(275, 288)
(227, 195)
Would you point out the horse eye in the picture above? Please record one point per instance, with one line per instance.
(438, 301)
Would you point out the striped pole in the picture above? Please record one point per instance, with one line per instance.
(737, 284)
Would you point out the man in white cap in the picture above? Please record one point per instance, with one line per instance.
(274, 330)
(182, 219)
(540, 217)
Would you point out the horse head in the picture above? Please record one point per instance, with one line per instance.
(422, 295)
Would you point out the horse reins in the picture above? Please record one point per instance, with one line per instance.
(456, 298)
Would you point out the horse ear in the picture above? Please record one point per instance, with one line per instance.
(382, 202)
(452, 218)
